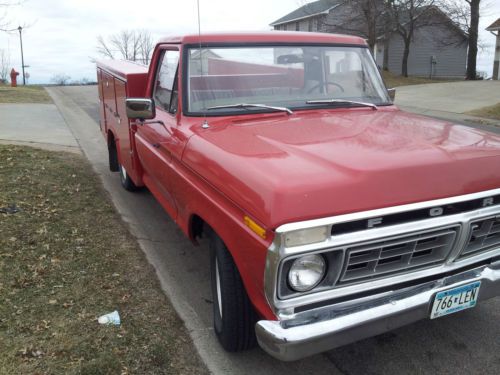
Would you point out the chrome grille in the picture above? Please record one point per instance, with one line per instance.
(484, 234)
(409, 251)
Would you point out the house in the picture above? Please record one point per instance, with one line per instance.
(437, 50)
(495, 27)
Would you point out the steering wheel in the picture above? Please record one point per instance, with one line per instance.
(324, 84)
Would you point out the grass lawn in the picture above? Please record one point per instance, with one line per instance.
(24, 94)
(65, 259)
(487, 112)
(392, 80)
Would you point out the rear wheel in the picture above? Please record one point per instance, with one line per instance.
(112, 156)
(234, 315)
(125, 179)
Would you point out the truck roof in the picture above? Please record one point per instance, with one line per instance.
(265, 37)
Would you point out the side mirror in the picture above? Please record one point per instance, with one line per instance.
(139, 108)
(392, 94)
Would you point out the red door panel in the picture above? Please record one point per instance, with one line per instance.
(151, 141)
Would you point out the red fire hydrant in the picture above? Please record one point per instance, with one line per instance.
(13, 77)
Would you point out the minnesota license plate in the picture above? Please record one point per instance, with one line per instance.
(456, 299)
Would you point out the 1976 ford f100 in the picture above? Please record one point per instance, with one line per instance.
(332, 215)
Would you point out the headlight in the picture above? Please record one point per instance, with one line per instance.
(306, 272)
(307, 236)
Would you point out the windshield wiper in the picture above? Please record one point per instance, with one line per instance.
(246, 105)
(340, 101)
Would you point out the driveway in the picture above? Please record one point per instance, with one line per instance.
(449, 100)
(464, 343)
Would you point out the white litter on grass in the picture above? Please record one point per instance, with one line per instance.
(112, 318)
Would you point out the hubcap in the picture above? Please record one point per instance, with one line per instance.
(217, 282)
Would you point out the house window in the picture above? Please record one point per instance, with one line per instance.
(310, 25)
(297, 26)
(285, 27)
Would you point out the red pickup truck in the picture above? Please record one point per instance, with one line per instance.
(332, 215)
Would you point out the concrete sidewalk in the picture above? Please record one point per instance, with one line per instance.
(39, 125)
(450, 100)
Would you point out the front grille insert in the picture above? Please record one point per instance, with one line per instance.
(391, 256)
(484, 234)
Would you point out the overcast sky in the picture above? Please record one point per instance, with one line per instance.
(62, 35)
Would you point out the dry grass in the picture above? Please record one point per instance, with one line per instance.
(392, 80)
(24, 94)
(492, 112)
(65, 259)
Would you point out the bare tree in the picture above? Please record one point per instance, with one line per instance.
(407, 16)
(365, 18)
(5, 24)
(133, 45)
(374, 18)
(465, 14)
(4, 66)
(368, 20)
(459, 12)
(473, 38)
(373, 14)
(146, 48)
(60, 79)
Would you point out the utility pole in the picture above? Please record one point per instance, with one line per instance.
(22, 54)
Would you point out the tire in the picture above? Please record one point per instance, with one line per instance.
(113, 157)
(125, 179)
(234, 315)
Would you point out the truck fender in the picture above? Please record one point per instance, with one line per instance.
(199, 227)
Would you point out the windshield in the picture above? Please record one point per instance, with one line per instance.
(281, 76)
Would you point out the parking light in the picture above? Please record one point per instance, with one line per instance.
(307, 236)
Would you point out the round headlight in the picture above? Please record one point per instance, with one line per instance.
(306, 272)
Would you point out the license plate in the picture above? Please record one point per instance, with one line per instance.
(456, 299)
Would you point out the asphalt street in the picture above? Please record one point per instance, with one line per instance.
(464, 343)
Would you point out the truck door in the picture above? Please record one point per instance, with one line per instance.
(156, 140)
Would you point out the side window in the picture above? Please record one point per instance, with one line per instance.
(165, 93)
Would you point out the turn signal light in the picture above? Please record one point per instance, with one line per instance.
(254, 227)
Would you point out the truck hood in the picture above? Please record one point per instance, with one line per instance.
(313, 164)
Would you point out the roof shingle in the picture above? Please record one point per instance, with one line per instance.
(308, 10)
(494, 26)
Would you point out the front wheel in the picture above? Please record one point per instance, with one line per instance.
(125, 179)
(234, 315)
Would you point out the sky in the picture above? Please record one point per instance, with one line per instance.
(61, 34)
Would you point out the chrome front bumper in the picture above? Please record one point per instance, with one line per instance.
(320, 329)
